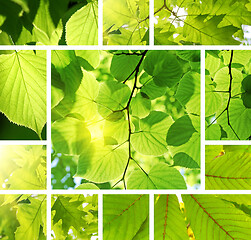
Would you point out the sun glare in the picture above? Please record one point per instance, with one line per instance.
(96, 129)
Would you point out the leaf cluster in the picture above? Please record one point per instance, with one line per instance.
(206, 22)
(23, 167)
(48, 22)
(22, 217)
(127, 118)
(202, 217)
(226, 111)
(74, 216)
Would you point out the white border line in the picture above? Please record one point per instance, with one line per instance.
(100, 216)
(100, 193)
(151, 23)
(202, 120)
(100, 23)
(151, 216)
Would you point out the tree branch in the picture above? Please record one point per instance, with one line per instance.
(127, 108)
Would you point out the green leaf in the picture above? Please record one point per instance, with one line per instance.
(150, 139)
(69, 69)
(87, 186)
(215, 217)
(113, 96)
(29, 180)
(149, 88)
(70, 136)
(116, 130)
(189, 55)
(82, 27)
(238, 114)
(212, 62)
(239, 57)
(188, 92)
(92, 57)
(222, 80)
(23, 88)
(229, 171)
(125, 22)
(84, 96)
(123, 65)
(160, 176)
(23, 4)
(69, 212)
(30, 218)
(169, 222)
(140, 106)
(164, 68)
(191, 147)
(184, 160)
(207, 32)
(26, 161)
(99, 163)
(213, 132)
(124, 215)
(213, 99)
(180, 131)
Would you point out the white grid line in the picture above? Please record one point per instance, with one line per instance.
(100, 193)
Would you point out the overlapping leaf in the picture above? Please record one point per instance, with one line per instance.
(123, 123)
(126, 22)
(205, 22)
(26, 161)
(74, 215)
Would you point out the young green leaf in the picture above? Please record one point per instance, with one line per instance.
(23, 88)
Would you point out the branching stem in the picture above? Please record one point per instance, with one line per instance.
(127, 108)
(229, 98)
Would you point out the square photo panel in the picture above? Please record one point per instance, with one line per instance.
(126, 119)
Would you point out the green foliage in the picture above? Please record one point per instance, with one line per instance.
(23, 167)
(23, 88)
(48, 22)
(126, 22)
(116, 128)
(227, 167)
(126, 217)
(23, 217)
(206, 22)
(74, 216)
(227, 97)
(202, 217)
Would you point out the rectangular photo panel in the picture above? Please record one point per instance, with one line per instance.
(228, 167)
(201, 22)
(125, 119)
(23, 167)
(23, 95)
(125, 22)
(197, 216)
(74, 216)
(228, 95)
(23, 216)
(49, 22)
(125, 217)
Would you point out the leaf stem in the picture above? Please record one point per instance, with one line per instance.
(127, 108)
